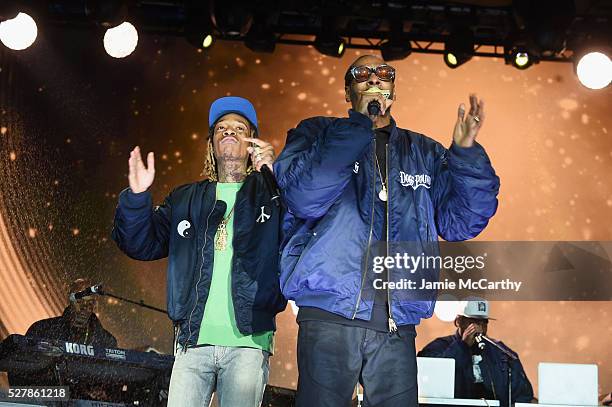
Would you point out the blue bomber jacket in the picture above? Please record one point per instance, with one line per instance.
(183, 229)
(329, 181)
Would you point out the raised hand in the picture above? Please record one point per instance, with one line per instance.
(467, 128)
(140, 178)
(469, 333)
(262, 153)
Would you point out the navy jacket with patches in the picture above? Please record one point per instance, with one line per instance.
(145, 232)
(329, 181)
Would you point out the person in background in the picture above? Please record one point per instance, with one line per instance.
(78, 323)
(479, 373)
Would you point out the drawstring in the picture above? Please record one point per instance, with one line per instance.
(175, 340)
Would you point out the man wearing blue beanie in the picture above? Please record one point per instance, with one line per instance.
(221, 236)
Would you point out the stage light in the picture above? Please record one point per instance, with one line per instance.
(520, 57)
(521, 60)
(121, 41)
(202, 39)
(395, 49)
(397, 45)
(459, 47)
(198, 27)
(18, 33)
(260, 38)
(594, 70)
(207, 41)
(232, 19)
(330, 44)
(546, 23)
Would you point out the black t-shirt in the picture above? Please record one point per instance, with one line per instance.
(380, 314)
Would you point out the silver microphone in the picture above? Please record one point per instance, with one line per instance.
(479, 338)
(94, 289)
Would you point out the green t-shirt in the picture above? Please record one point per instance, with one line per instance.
(218, 325)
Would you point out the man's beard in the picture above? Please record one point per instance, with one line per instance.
(81, 319)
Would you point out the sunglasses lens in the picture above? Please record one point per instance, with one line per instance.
(361, 73)
(385, 72)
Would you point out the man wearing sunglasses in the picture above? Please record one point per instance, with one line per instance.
(348, 183)
(479, 367)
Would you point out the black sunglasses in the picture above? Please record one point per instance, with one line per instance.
(383, 72)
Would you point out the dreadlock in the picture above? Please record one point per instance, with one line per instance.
(210, 170)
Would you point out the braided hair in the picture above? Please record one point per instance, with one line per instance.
(210, 170)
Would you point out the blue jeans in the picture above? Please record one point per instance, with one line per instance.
(237, 375)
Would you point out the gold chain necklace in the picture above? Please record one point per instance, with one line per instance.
(221, 235)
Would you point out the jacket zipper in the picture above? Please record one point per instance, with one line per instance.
(195, 304)
(490, 378)
(392, 324)
(363, 273)
(427, 223)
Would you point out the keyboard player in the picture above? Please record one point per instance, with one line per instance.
(77, 324)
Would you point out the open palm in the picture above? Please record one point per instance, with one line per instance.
(467, 127)
(139, 176)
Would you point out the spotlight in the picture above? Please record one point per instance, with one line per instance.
(330, 44)
(232, 19)
(546, 22)
(208, 40)
(520, 57)
(121, 41)
(202, 40)
(19, 32)
(594, 70)
(398, 46)
(260, 38)
(521, 60)
(198, 27)
(395, 49)
(459, 47)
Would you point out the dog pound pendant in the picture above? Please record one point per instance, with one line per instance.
(221, 237)
(383, 194)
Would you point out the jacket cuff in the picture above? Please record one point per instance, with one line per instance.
(467, 153)
(360, 118)
(131, 200)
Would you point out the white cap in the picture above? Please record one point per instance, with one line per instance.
(476, 308)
